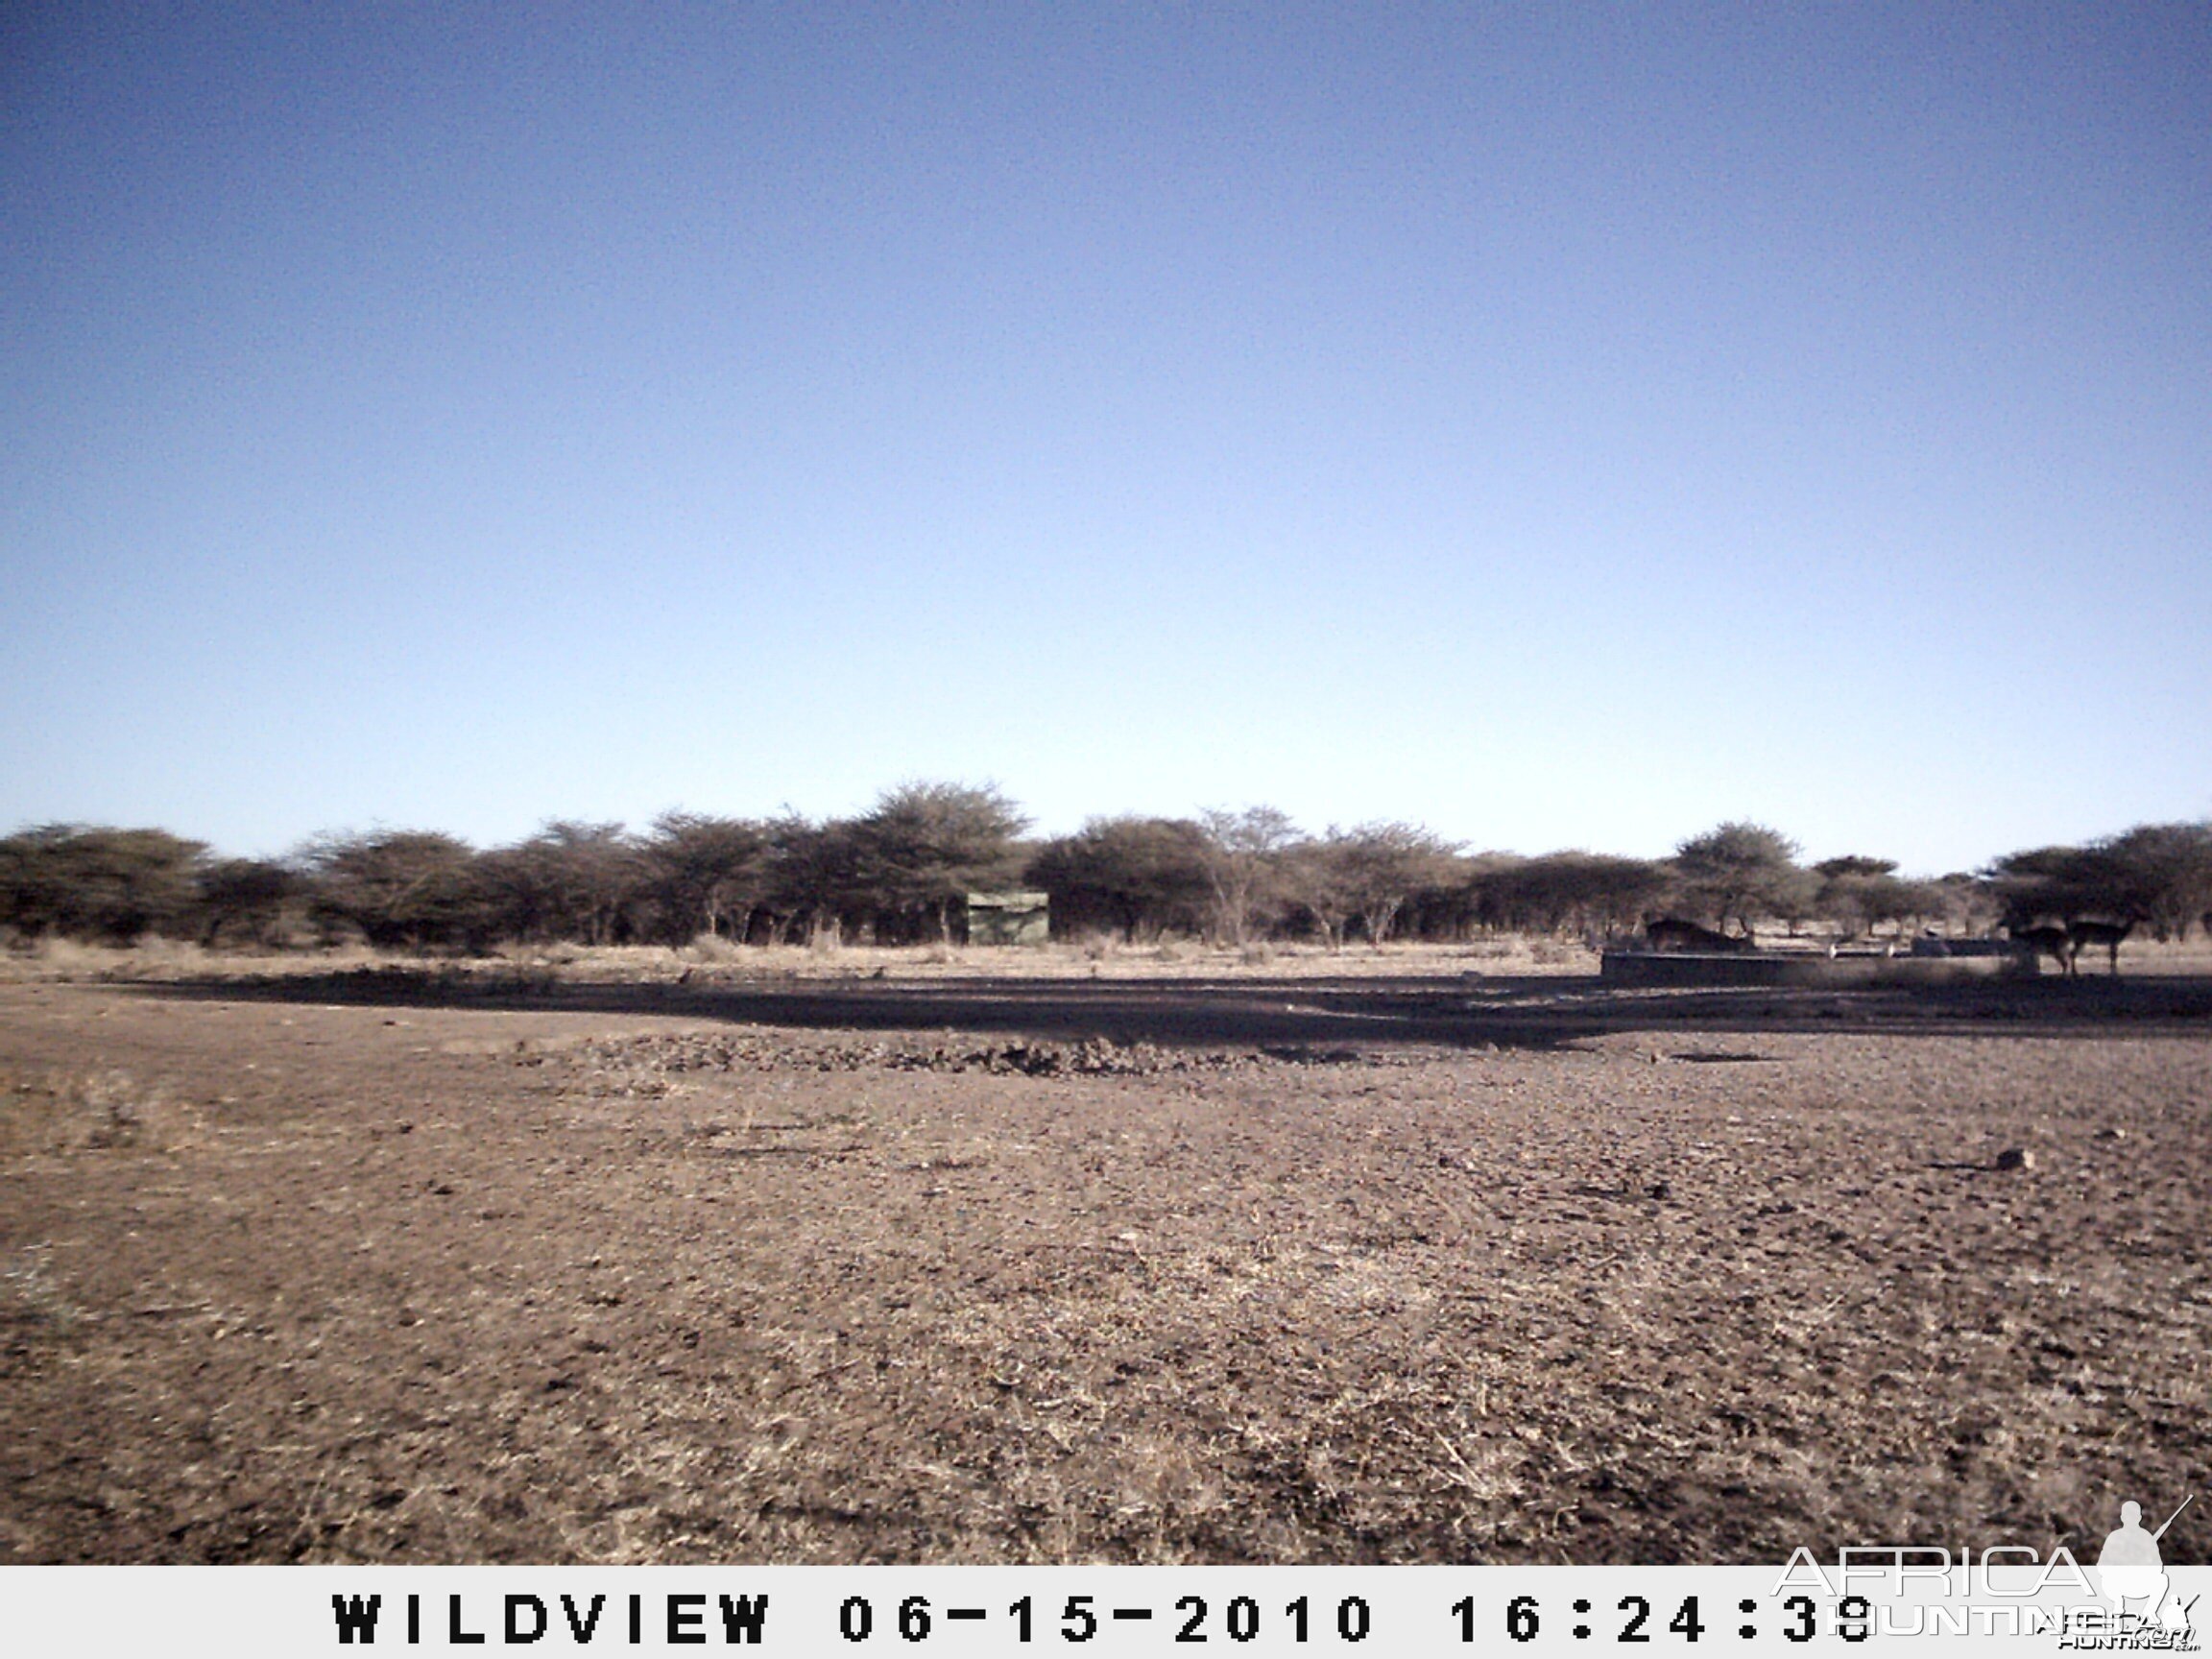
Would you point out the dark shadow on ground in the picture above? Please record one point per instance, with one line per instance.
(1517, 1013)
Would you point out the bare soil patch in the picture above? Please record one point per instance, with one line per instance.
(416, 1265)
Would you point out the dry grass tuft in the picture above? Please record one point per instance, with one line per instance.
(85, 1112)
(31, 1303)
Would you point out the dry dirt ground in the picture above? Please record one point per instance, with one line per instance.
(425, 1265)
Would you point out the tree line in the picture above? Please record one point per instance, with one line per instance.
(900, 874)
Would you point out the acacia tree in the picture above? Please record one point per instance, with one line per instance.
(1141, 874)
(1314, 875)
(1366, 873)
(402, 888)
(925, 846)
(246, 896)
(1742, 870)
(90, 881)
(2165, 871)
(2155, 872)
(1963, 900)
(570, 880)
(1391, 862)
(705, 872)
(1856, 892)
(811, 879)
(2056, 884)
(1245, 866)
(1574, 892)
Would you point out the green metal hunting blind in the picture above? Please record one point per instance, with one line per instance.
(1009, 918)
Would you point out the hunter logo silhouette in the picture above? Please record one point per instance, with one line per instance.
(2130, 1568)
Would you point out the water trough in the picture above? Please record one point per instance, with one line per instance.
(1962, 959)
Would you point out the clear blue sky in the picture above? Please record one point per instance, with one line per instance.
(1560, 425)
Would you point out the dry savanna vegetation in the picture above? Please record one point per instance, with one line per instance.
(1168, 1252)
(912, 868)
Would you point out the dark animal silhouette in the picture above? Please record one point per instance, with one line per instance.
(2108, 934)
(2046, 941)
(1673, 933)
